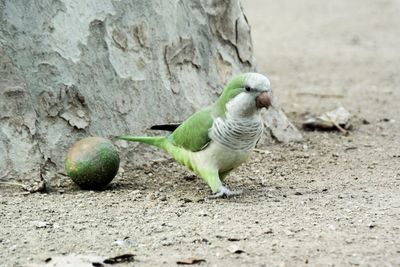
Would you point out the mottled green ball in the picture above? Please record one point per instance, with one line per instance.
(92, 162)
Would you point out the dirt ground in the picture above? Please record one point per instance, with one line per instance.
(331, 200)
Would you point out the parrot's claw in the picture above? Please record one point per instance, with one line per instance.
(224, 192)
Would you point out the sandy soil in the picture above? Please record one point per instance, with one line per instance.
(332, 200)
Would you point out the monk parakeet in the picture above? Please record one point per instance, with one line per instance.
(218, 138)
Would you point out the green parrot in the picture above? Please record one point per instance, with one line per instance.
(218, 138)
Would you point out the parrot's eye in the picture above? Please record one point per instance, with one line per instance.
(247, 88)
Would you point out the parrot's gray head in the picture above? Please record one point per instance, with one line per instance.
(250, 92)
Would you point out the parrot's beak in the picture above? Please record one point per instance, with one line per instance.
(263, 100)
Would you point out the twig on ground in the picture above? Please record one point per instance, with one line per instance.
(340, 128)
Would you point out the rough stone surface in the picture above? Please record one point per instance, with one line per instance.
(71, 69)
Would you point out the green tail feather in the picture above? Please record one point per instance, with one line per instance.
(157, 141)
(181, 155)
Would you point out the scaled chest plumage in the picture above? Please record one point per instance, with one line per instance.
(241, 127)
(237, 134)
(232, 141)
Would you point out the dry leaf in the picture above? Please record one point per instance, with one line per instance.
(335, 119)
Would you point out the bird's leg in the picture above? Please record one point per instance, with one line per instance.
(213, 180)
(223, 191)
(211, 177)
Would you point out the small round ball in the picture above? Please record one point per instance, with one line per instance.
(92, 162)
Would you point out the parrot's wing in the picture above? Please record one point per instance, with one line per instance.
(192, 134)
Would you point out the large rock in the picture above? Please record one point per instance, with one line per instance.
(71, 68)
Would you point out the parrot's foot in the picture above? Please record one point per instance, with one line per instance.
(224, 192)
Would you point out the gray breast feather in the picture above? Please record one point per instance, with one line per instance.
(237, 134)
